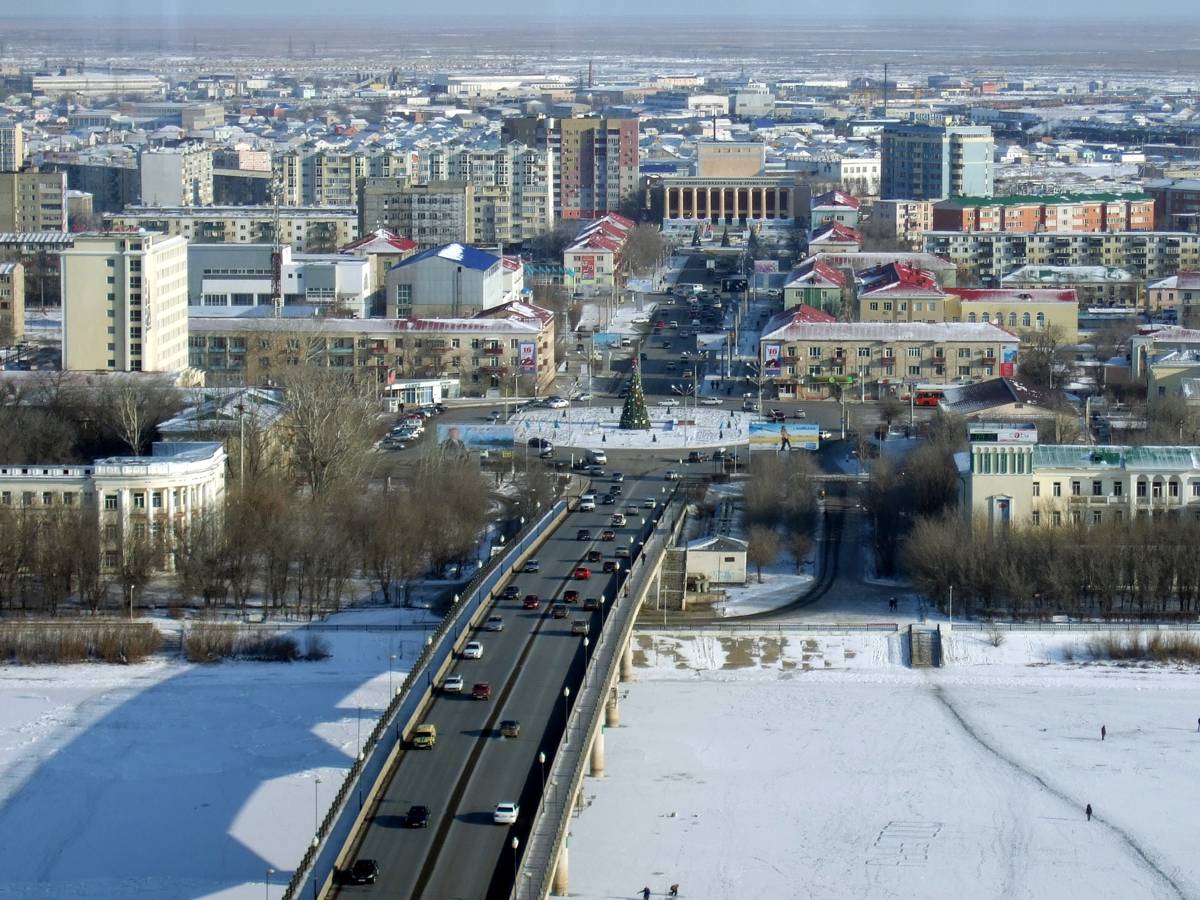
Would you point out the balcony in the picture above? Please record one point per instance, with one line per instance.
(493, 350)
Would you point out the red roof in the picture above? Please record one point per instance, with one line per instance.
(835, 198)
(386, 239)
(896, 277)
(813, 270)
(1013, 295)
(835, 233)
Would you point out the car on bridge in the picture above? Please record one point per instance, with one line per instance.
(417, 817)
(473, 650)
(594, 556)
(424, 737)
(512, 592)
(580, 626)
(697, 456)
(481, 691)
(591, 603)
(453, 684)
(582, 573)
(587, 503)
(622, 553)
(493, 623)
(583, 534)
(506, 813)
(611, 565)
(510, 728)
(531, 565)
(571, 596)
(558, 611)
(364, 871)
(608, 535)
(531, 601)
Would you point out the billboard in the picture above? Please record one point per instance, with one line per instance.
(1008, 362)
(784, 436)
(771, 362)
(528, 354)
(463, 437)
(587, 267)
(766, 266)
(714, 341)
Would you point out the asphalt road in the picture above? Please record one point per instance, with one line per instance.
(462, 854)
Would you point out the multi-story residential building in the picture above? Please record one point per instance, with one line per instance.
(895, 292)
(1065, 212)
(12, 146)
(595, 165)
(1180, 292)
(239, 275)
(857, 174)
(304, 229)
(510, 343)
(595, 256)
(12, 303)
(1019, 310)
(125, 303)
(1176, 203)
(132, 498)
(903, 220)
(452, 280)
(985, 257)
(686, 201)
(929, 162)
(440, 212)
(33, 201)
(1056, 485)
(177, 176)
(328, 176)
(114, 183)
(816, 284)
(806, 359)
(1094, 286)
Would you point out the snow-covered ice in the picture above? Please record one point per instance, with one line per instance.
(164, 780)
(791, 764)
(672, 426)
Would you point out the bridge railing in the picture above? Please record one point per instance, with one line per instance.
(553, 817)
(315, 871)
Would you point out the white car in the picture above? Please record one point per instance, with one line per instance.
(583, 398)
(493, 623)
(453, 684)
(506, 813)
(710, 401)
(473, 650)
(640, 320)
(557, 403)
(587, 503)
(672, 475)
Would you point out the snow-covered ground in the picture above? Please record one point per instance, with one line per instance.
(165, 780)
(788, 764)
(671, 427)
(593, 316)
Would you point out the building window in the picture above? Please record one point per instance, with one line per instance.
(1056, 518)
(1097, 489)
(1075, 488)
(111, 558)
(1026, 320)
(914, 352)
(1141, 489)
(1173, 488)
(139, 500)
(68, 498)
(914, 370)
(1076, 518)
(1035, 518)
(111, 532)
(1056, 490)
(1196, 488)
(1037, 489)
(814, 352)
(1097, 517)
(110, 501)
(1117, 489)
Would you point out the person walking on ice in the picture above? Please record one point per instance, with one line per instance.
(785, 442)
(645, 893)
(674, 891)
(1088, 811)
(1103, 732)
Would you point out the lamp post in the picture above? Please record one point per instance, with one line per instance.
(542, 763)
(267, 886)
(586, 643)
(391, 687)
(359, 740)
(566, 711)
(515, 844)
(316, 809)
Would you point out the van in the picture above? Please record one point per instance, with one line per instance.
(424, 736)
(597, 457)
(580, 626)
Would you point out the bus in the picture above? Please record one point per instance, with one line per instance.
(927, 395)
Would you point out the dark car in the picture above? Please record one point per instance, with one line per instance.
(611, 565)
(594, 556)
(532, 601)
(697, 456)
(583, 534)
(608, 535)
(364, 871)
(608, 499)
(591, 603)
(481, 691)
(571, 596)
(558, 611)
(417, 817)
(540, 443)
(512, 592)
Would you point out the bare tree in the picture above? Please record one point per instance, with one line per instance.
(1044, 356)
(332, 421)
(763, 548)
(644, 245)
(131, 408)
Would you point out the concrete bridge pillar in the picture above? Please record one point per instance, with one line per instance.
(597, 756)
(560, 882)
(612, 710)
(627, 660)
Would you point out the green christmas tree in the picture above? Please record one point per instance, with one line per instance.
(633, 413)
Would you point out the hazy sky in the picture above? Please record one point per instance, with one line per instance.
(756, 9)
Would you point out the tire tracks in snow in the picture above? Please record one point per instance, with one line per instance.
(1127, 838)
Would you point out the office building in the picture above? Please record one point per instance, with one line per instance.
(1063, 212)
(12, 146)
(931, 162)
(12, 303)
(433, 214)
(985, 257)
(33, 201)
(125, 303)
(312, 230)
(177, 176)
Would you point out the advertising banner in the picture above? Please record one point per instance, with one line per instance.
(461, 438)
(766, 266)
(528, 353)
(714, 341)
(587, 267)
(1008, 362)
(771, 362)
(784, 436)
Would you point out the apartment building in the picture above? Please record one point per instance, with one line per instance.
(489, 351)
(12, 146)
(177, 176)
(807, 359)
(595, 165)
(1176, 203)
(1054, 213)
(903, 220)
(1057, 485)
(133, 498)
(986, 257)
(433, 214)
(125, 303)
(33, 201)
(334, 177)
(1095, 286)
(1180, 292)
(12, 303)
(930, 162)
(314, 230)
(114, 183)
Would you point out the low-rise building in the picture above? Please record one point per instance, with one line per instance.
(1057, 485)
(1000, 400)
(805, 358)
(686, 201)
(834, 237)
(139, 499)
(383, 249)
(316, 230)
(1157, 340)
(1175, 373)
(833, 206)
(595, 256)
(1094, 286)
(1180, 293)
(1020, 310)
(12, 303)
(454, 280)
(495, 350)
(719, 559)
(895, 292)
(816, 284)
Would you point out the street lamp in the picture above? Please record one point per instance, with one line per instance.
(391, 688)
(515, 844)
(359, 741)
(316, 810)
(542, 763)
(586, 644)
(566, 711)
(267, 886)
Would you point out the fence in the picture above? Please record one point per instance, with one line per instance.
(1076, 626)
(679, 627)
(566, 770)
(316, 869)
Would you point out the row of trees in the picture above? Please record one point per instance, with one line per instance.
(779, 508)
(1145, 568)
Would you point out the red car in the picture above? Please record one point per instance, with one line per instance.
(660, 324)
(583, 573)
(570, 596)
(481, 691)
(608, 535)
(531, 601)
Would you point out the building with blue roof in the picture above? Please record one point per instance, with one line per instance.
(453, 280)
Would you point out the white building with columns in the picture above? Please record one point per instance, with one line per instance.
(765, 201)
(138, 497)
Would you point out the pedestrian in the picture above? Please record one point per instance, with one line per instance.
(1087, 809)
(1103, 732)
(1198, 726)
(674, 892)
(645, 893)
(784, 442)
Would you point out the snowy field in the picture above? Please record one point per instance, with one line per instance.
(169, 780)
(789, 765)
(671, 427)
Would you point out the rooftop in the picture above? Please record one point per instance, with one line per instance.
(884, 332)
(1039, 199)
(1091, 457)
(1016, 295)
(470, 257)
(1068, 275)
(967, 399)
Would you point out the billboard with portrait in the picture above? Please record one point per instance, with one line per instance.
(463, 437)
(528, 353)
(784, 436)
(587, 267)
(771, 362)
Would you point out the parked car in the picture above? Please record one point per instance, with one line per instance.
(453, 684)
(481, 691)
(826, 435)
(424, 737)
(493, 623)
(364, 871)
(506, 813)
(417, 817)
(473, 650)
(510, 728)
(776, 415)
